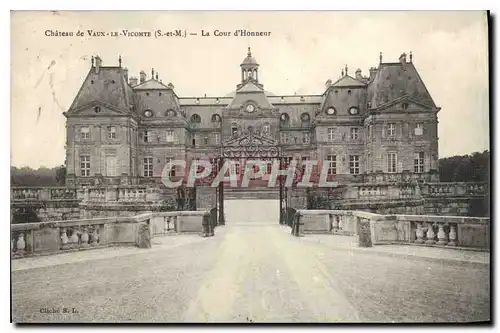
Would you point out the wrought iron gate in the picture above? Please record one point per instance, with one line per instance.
(252, 144)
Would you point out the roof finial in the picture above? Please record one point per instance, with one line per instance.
(156, 76)
(249, 54)
(411, 57)
(120, 60)
(380, 57)
(152, 73)
(92, 61)
(346, 69)
(342, 72)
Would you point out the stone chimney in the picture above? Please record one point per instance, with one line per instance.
(373, 72)
(98, 63)
(358, 75)
(142, 76)
(125, 74)
(133, 81)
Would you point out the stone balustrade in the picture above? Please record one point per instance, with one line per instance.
(431, 230)
(43, 193)
(42, 238)
(455, 189)
(164, 223)
(117, 193)
(29, 239)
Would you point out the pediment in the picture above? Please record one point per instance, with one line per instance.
(97, 109)
(413, 104)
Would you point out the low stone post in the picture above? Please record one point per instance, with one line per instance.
(205, 223)
(364, 232)
(144, 237)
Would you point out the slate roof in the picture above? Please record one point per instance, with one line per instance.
(395, 80)
(108, 86)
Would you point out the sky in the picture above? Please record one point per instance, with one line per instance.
(304, 50)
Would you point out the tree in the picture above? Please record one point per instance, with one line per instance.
(466, 168)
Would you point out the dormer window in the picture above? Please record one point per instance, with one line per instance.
(305, 117)
(331, 111)
(195, 118)
(404, 106)
(215, 118)
(284, 119)
(97, 109)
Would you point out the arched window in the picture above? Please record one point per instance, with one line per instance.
(215, 118)
(234, 128)
(171, 113)
(195, 118)
(305, 118)
(284, 119)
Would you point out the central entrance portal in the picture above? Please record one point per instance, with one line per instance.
(252, 211)
(258, 202)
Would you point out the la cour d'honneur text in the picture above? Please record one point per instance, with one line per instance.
(157, 33)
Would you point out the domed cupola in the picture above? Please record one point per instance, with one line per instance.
(249, 68)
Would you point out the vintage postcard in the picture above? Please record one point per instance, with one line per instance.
(250, 167)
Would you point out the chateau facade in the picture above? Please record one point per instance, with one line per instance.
(376, 128)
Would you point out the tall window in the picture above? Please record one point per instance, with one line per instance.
(287, 161)
(235, 167)
(148, 136)
(332, 164)
(85, 133)
(85, 165)
(266, 129)
(391, 129)
(111, 132)
(331, 134)
(111, 166)
(205, 140)
(354, 133)
(234, 128)
(370, 130)
(419, 129)
(305, 137)
(269, 167)
(171, 170)
(419, 162)
(354, 164)
(284, 137)
(391, 162)
(148, 167)
(170, 136)
(217, 138)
